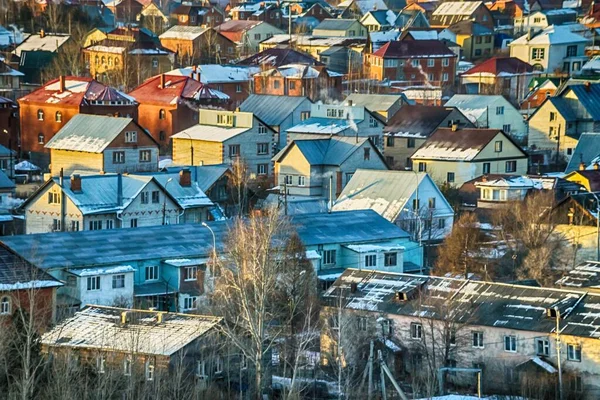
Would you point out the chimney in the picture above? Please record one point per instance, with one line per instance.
(454, 126)
(124, 318)
(349, 103)
(194, 68)
(61, 81)
(588, 86)
(42, 33)
(185, 177)
(529, 34)
(581, 166)
(596, 166)
(119, 189)
(61, 178)
(353, 287)
(76, 183)
(159, 318)
(162, 81)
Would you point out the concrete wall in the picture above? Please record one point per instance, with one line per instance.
(106, 296)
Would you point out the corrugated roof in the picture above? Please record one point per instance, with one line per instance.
(554, 34)
(276, 57)
(336, 24)
(210, 133)
(184, 32)
(459, 145)
(417, 120)
(205, 175)
(563, 107)
(177, 88)
(457, 8)
(320, 125)
(89, 133)
(17, 273)
(584, 275)
(331, 151)
(588, 95)
(587, 149)
(415, 49)
(272, 110)
(375, 102)
(501, 65)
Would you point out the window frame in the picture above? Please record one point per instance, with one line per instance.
(511, 341)
(5, 305)
(151, 273)
(574, 352)
(387, 258)
(118, 279)
(370, 260)
(416, 331)
(477, 340)
(93, 283)
(190, 273)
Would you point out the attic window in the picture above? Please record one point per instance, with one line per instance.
(131, 137)
(5, 306)
(367, 153)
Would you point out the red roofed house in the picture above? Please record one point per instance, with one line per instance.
(46, 110)
(414, 62)
(169, 104)
(247, 34)
(508, 76)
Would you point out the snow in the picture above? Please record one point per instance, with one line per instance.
(148, 51)
(554, 34)
(313, 255)
(424, 35)
(437, 152)
(122, 269)
(71, 85)
(392, 346)
(369, 248)
(329, 277)
(215, 73)
(186, 262)
(35, 284)
(544, 365)
(107, 49)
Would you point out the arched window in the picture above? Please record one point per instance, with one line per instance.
(103, 60)
(58, 116)
(41, 115)
(162, 114)
(5, 305)
(97, 60)
(41, 138)
(116, 60)
(110, 61)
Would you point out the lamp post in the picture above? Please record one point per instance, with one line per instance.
(191, 147)
(214, 255)
(164, 222)
(558, 361)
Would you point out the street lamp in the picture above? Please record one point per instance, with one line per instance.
(214, 255)
(164, 222)
(191, 147)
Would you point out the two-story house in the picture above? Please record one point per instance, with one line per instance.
(224, 137)
(197, 45)
(190, 14)
(451, 12)
(384, 105)
(476, 40)
(555, 48)
(346, 120)
(101, 143)
(247, 34)
(332, 27)
(453, 156)
(379, 20)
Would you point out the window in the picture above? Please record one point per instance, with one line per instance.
(5, 306)
(41, 138)
(430, 62)
(201, 369)
(191, 273)
(542, 347)
(416, 331)
(74, 226)
(276, 84)
(127, 367)
(262, 148)
(101, 364)
(118, 157)
(145, 155)
(415, 63)
(511, 166)
(225, 119)
(569, 151)
(498, 146)
(571, 51)
(441, 223)
(510, 344)
(422, 167)
(262, 169)
(576, 384)
(573, 352)
(486, 168)
(262, 129)
(289, 180)
(445, 77)
(301, 180)
(53, 198)
(478, 339)
(155, 197)
(538, 54)
(109, 224)
(450, 177)
(162, 114)
(445, 62)
(390, 259)
(432, 202)
(389, 141)
(372, 122)
(478, 40)
(292, 85)
(410, 143)
(371, 260)
(152, 273)
(190, 303)
(390, 62)
(238, 88)
(234, 150)
(430, 77)
(133, 223)
(304, 115)
(500, 110)
(93, 283)
(162, 136)
(329, 257)
(367, 153)
(95, 225)
(40, 114)
(155, 63)
(118, 281)
(477, 52)
(149, 371)
(58, 116)
(506, 128)
(257, 36)
(131, 137)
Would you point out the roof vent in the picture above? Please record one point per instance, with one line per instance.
(76, 183)
(42, 33)
(588, 86)
(552, 312)
(162, 81)
(596, 166)
(454, 126)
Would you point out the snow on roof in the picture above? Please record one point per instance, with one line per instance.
(460, 145)
(424, 35)
(26, 166)
(215, 73)
(123, 269)
(100, 328)
(50, 42)
(384, 36)
(32, 284)
(457, 8)
(372, 248)
(210, 133)
(512, 182)
(186, 262)
(106, 49)
(553, 34)
(310, 40)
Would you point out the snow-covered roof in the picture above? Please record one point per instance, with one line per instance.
(424, 35)
(100, 328)
(183, 32)
(460, 145)
(215, 73)
(49, 42)
(373, 248)
(475, 106)
(512, 182)
(210, 133)
(553, 34)
(122, 269)
(457, 8)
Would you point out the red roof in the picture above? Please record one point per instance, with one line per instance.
(498, 65)
(177, 87)
(234, 29)
(77, 91)
(414, 48)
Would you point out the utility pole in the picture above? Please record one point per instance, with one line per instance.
(560, 382)
(285, 204)
(370, 392)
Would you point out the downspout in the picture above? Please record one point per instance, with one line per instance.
(62, 201)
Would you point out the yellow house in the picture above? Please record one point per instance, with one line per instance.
(314, 45)
(588, 178)
(454, 156)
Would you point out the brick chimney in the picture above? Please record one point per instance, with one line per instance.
(185, 177)
(588, 86)
(42, 33)
(61, 83)
(162, 81)
(76, 183)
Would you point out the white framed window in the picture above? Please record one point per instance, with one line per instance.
(500, 110)
(151, 273)
(445, 62)
(498, 146)
(262, 130)
(506, 128)
(118, 157)
(262, 148)
(149, 371)
(191, 273)
(301, 180)
(387, 327)
(262, 169)
(53, 198)
(234, 150)
(101, 364)
(93, 283)
(538, 53)
(58, 116)
(218, 364)
(224, 119)
(371, 260)
(201, 369)
(131, 137)
(415, 63)
(5, 307)
(362, 323)
(445, 77)
(145, 197)
(41, 139)
(511, 166)
(95, 225)
(372, 122)
(542, 347)
(155, 197)
(574, 352)
(510, 343)
(430, 62)
(109, 224)
(118, 281)
(40, 115)
(190, 303)
(127, 366)
(390, 62)
(390, 259)
(238, 88)
(289, 180)
(329, 257)
(416, 331)
(145, 155)
(478, 339)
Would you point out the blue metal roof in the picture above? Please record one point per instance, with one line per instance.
(589, 96)
(272, 110)
(562, 106)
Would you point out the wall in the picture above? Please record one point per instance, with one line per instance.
(539, 131)
(70, 161)
(248, 142)
(132, 159)
(106, 296)
(177, 118)
(295, 164)
(39, 215)
(205, 153)
(151, 213)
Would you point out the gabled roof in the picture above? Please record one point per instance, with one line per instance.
(474, 106)
(585, 275)
(459, 145)
(331, 151)
(417, 120)
(500, 67)
(465, 8)
(383, 17)
(299, 71)
(234, 29)
(16, 273)
(184, 32)
(335, 24)
(204, 175)
(593, 177)
(586, 151)
(210, 133)
(272, 110)
(376, 102)
(276, 57)
(363, 6)
(414, 49)
(89, 133)
(215, 73)
(468, 27)
(320, 125)
(177, 89)
(100, 328)
(34, 42)
(553, 34)
(588, 95)
(563, 107)
(385, 192)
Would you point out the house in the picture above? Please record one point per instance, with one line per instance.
(25, 288)
(386, 106)
(315, 45)
(543, 19)
(151, 15)
(379, 20)
(102, 144)
(398, 311)
(42, 42)
(95, 202)
(205, 14)
(407, 19)
(327, 120)
(586, 153)
(540, 88)
(408, 199)
(426, 8)
(9, 122)
(454, 156)
(144, 345)
(336, 27)
(279, 112)
(278, 57)
(247, 34)
(10, 80)
(490, 112)
(269, 12)
(197, 45)
(408, 129)
(225, 137)
(583, 276)
(588, 178)
(555, 48)
(322, 167)
(314, 82)
(508, 76)
(125, 11)
(414, 62)
(46, 110)
(8, 159)
(475, 39)
(169, 103)
(451, 12)
(556, 125)
(343, 58)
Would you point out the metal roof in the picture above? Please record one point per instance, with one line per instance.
(563, 107)
(586, 151)
(335, 24)
(588, 95)
(376, 102)
(17, 273)
(584, 275)
(272, 110)
(205, 175)
(331, 151)
(210, 133)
